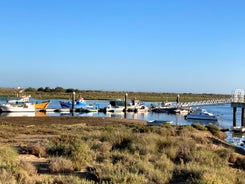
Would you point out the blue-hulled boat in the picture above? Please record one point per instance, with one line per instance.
(77, 105)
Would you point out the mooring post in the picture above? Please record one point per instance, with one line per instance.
(73, 101)
(234, 116)
(126, 100)
(243, 117)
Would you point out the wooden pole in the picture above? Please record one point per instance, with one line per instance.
(73, 101)
(126, 100)
(234, 116)
(243, 117)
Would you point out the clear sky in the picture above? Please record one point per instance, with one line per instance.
(193, 46)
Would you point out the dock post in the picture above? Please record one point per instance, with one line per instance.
(73, 101)
(125, 109)
(243, 117)
(234, 116)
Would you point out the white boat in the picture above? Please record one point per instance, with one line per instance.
(89, 108)
(116, 106)
(201, 114)
(25, 107)
(23, 99)
(238, 129)
(137, 106)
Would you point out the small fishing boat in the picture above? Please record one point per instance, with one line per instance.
(21, 100)
(238, 129)
(25, 107)
(80, 105)
(201, 114)
(89, 108)
(77, 105)
(42, 105)
(116, 106)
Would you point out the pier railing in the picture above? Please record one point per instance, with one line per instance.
(236, 97)
(207, 102)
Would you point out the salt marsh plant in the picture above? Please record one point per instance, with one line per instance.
(127, 153)
(13, 171)
(60, 165)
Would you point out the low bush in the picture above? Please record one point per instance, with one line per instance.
(37, 150)
(199, 126)
(82, 155)
(60, 165)
(213, 129)
(29, 167)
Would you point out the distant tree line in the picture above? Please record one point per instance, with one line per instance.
(48, 89)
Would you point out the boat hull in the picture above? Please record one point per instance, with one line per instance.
(27, 107)
(193, 117)
(42, 105)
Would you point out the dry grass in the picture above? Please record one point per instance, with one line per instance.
(79, 151)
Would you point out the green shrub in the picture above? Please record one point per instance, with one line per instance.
(60, 165)
(12, 171)
(82, 155)
(199, 126)
(209, 158)
(29, 167)
(37, 150)
(213, 129)
(63, 145)
(72, 179)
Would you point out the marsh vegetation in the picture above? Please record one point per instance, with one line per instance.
(61, 93)
(107, 150)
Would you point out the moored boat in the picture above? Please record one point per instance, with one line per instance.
(26, 107)
(42, 105)
(118, 106)
(77, 105)
(238, 129)
(201, 114)
(21, 100)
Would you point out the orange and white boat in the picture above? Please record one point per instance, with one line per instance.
(42, 105)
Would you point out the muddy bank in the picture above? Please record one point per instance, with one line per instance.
(65, 120)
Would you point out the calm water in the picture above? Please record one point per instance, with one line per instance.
(224, 113)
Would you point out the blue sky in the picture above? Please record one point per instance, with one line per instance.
(194, 46)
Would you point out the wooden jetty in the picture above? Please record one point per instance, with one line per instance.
(236, 105)
(238, 102)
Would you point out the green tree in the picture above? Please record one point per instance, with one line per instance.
(40, 89)
(59, 89)
(30, 89)
(69, 90)
(47, 89)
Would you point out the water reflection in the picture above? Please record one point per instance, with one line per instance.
(23, 114)
(18, 114)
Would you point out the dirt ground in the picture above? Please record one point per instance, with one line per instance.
(66, 120)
